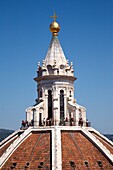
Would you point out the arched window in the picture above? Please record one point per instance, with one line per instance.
(49, 104)
(50, 70)
(61, 105)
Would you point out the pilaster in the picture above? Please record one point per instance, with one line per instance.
(46, 104)
(35, 118)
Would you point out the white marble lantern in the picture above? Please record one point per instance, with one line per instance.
(55, 103)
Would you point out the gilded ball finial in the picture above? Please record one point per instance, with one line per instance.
(54, 26)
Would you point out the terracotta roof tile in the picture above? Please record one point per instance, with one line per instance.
(79, 149)
(34, 150)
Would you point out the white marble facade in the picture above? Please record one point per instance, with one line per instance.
(55, 90)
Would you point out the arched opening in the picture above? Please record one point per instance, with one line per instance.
(61, 105)
(49, 104)
(50, 70)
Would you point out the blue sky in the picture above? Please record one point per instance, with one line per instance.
(86, 37)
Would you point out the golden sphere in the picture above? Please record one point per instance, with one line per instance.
(54, 28)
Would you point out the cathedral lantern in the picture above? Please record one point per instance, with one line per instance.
(55, 87)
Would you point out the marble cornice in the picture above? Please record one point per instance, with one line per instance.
(55, 77)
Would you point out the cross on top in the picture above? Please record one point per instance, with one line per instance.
(54, 16)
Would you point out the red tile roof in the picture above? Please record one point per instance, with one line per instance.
(78, 150)
(35, 150)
